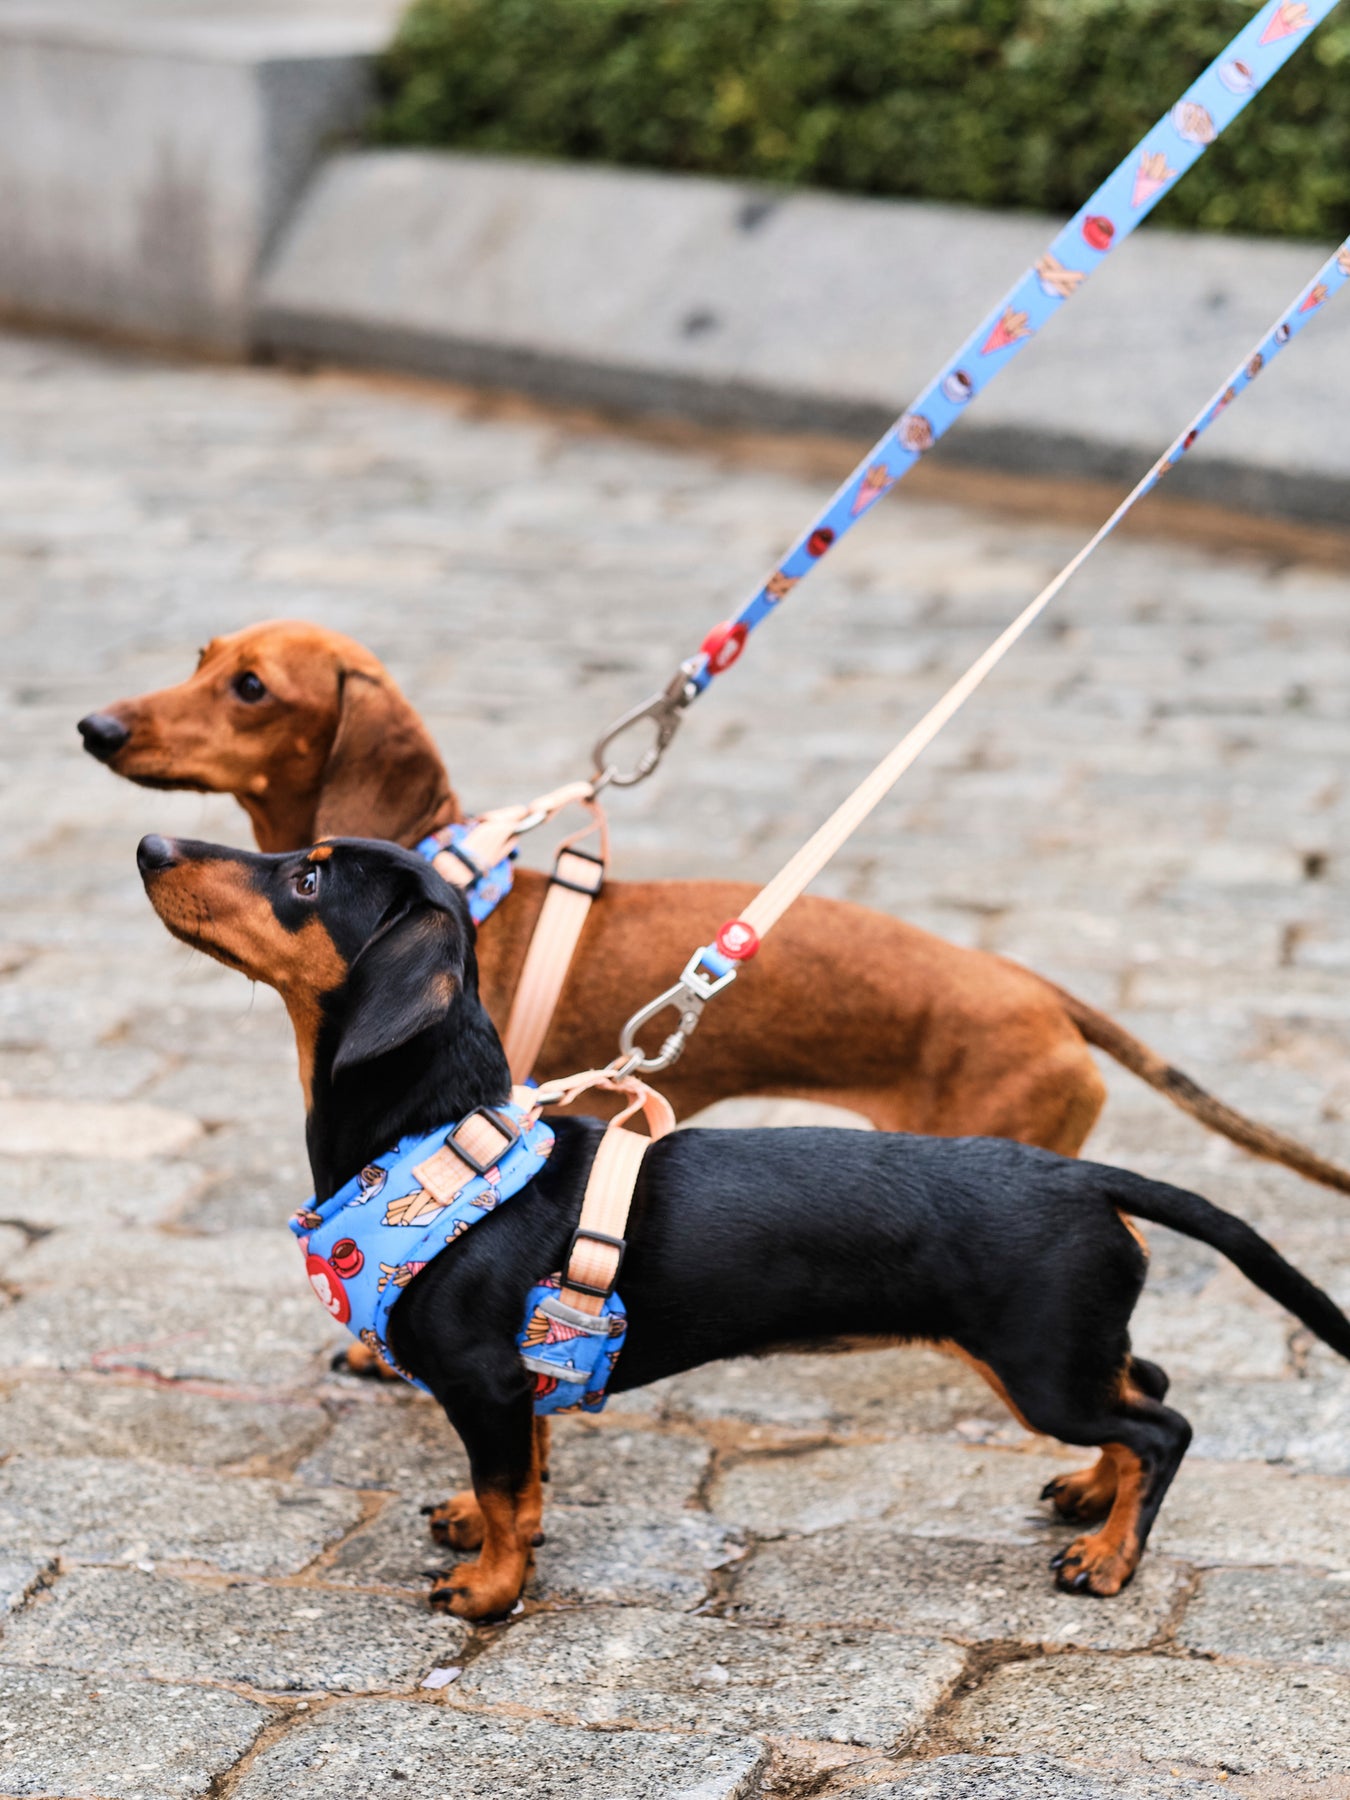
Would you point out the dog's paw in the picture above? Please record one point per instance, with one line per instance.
(1093, 1565)
(1085, 1495)
(470, 1591)
(359, 1359)
(457, 1522)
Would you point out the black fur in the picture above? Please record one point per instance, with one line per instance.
(742, 1241)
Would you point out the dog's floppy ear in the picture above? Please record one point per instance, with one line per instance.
(404, 981)
(383, 778)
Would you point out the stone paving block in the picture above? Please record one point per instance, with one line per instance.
(108, 1510)
(390, 1436)
(890, 1391)
(630, 1556)
(929, 1486)
(1244, 1513)
(1274, 1615)
(599, 1465)
(348, 1754)
(79, 1735)
(234, 1309)
(1201, 1716)
(125, 1131)
(1303, 1424)
(124, 1622)
(949, 1587)
(635, 1667)
(18, 1576)
(1027, 1778)
(100, 1417)
(627, 1556)
(91, 1193)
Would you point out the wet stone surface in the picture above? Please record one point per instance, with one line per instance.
(782, 1576)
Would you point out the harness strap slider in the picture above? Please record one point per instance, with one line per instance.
(587, 881)
(589, 1287)
(490, 1116)
(476, 871)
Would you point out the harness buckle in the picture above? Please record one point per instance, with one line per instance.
(587, 1287)
(689, 996)
(476, 870)
(579, 887)
(665, 710)
(498, 1122)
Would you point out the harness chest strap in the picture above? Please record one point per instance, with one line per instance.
(578, 875)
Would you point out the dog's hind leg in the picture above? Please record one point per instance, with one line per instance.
(1090, 1493)
(1143, 1441)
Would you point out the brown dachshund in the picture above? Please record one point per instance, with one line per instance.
(310, 734)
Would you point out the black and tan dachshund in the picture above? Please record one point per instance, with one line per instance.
(739, 1241)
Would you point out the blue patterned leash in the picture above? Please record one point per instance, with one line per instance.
(1125, 198)
(714, 966)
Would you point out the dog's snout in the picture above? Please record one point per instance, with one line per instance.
(154, 854)
(103, 735)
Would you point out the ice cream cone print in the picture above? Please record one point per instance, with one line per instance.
(1289, 16)
(1151, 177)
(1012, 326)
(1315, 298)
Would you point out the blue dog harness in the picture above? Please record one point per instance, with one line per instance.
(487, 888)
(364, 1245)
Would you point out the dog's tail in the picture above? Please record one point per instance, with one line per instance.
(1260, 1140)
(1162, 1204)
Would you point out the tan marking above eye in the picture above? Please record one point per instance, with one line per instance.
(320, 853)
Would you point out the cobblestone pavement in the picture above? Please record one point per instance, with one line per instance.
(794, 1576)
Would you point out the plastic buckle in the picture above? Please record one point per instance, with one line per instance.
(509, 1131)
(475, 869)
(577, 887)
(586, 1287)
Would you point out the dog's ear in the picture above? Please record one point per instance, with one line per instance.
(383, 778)
(404, 981)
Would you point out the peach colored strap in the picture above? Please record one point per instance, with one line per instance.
(444, 1174)
(496, 832)
(609, 1189)
(577, 879)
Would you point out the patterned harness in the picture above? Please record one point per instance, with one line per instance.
(364, 1245)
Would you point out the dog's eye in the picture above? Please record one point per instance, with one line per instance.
(248, 687)
(306, 883)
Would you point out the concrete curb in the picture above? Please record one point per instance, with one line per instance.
(804, 311)
(147, 160)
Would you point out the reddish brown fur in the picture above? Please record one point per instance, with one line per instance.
(503, 1528)
(842, 1005)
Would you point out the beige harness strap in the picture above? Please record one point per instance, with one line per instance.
(495, 833)
(598, 1242)
(480, 1141)
(576, 880)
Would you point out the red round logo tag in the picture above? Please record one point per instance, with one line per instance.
(723, 645)
(327, 1284)
(737, 940)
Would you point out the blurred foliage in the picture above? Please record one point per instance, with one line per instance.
(1014, 103)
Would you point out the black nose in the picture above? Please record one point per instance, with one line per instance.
(154, 854)
(103, 735)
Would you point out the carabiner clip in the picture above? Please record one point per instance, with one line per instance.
(665, 711)
(689, 996)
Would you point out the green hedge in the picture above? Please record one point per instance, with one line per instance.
(998, 102)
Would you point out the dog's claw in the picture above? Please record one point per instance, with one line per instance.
(1058, 1562)
(538, 1539)
(1048, 1491)
(1079, 1582)
(427, 1510)
(337, 1362)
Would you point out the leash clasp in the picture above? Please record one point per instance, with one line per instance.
(690, 994)
(665, 710)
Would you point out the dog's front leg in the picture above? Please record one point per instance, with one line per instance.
(504, 1460)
